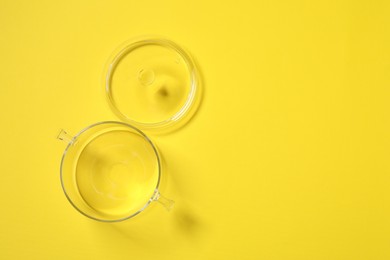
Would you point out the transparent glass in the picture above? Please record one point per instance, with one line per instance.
(110, 171)
(152, 83)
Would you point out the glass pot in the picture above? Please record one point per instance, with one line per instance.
(111, 171)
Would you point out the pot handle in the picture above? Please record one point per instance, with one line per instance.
(167, 203)
(64, 136)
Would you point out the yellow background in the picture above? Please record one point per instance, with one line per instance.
(287, 157)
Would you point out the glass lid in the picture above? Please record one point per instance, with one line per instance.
(153, 84)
